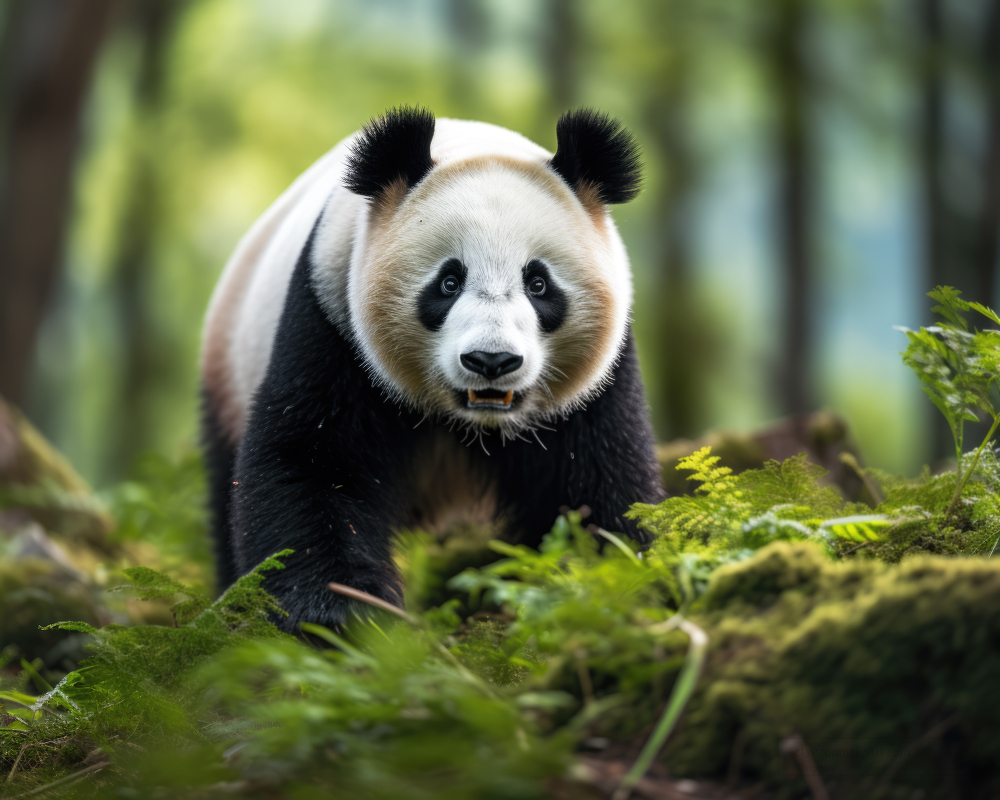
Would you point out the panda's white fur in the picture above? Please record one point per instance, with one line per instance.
(491, 201)
(424, 279)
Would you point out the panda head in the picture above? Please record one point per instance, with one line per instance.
(488, 284)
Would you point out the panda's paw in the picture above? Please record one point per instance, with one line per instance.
(337, 602)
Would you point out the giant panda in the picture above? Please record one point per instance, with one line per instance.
(430, 325)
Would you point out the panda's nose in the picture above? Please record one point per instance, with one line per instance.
(491, 365)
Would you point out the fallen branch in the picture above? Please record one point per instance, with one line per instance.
(794, 745)
(855, 549)
(911, 749)
(378, 602)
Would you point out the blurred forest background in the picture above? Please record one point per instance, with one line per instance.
(813, 167)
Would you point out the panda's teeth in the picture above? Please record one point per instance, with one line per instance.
(475, 399)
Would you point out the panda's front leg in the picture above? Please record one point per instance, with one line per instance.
(601, 456)
(333, 512)
(607, 451)
(317, 468)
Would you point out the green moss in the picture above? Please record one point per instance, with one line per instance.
(859, 659)
(781, 567)
(36, 592)
(826, 620)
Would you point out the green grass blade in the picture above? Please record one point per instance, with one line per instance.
(619, 544)
(678, 700)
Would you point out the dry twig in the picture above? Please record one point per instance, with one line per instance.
(794, 745)
(370, 599)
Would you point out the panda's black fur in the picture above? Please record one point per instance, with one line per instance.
(324, 466)
(592, 148)
(220, 464)
(397, 145)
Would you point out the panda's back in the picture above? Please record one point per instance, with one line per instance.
(246, 305)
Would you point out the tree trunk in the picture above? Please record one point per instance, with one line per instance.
(146, 360)
(469, 25)
(932, 149)
(53, 46)
(681, 337)
(795, 196)
(932, 143)
(558, 52)
(989, 226)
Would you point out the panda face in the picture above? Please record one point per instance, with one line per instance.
(490, 294)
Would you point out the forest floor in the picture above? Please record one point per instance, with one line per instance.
(794, 631)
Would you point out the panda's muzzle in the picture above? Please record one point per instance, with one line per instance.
(491, 365)
(490, 398)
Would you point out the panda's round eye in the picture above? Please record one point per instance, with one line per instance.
(536, 286)
(450, 285)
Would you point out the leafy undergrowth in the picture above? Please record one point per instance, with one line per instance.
(541, 653)
(773, 637)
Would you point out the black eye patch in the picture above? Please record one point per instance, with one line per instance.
(550, 304)
(437, 297)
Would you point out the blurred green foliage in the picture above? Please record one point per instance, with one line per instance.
(814, 619)
(490, 693)
(164, 509)
(195, 127)
(825, 619)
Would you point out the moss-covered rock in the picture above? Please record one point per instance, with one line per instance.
(888, 673)
(759, 582)
(823, 436)
(38, 586)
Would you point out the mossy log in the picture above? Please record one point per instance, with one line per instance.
(885, 674)
(823, 436)
(53, 532)
(38, 483)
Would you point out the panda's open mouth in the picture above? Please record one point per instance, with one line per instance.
(490, 398)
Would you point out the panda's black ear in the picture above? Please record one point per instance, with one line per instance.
(596, 153)
(391, 148)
